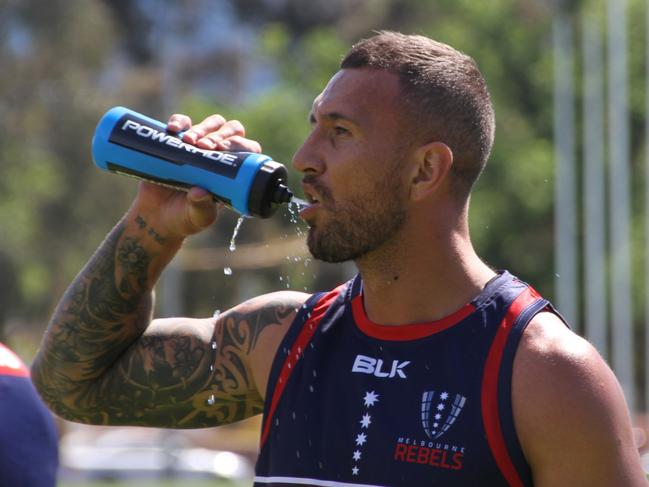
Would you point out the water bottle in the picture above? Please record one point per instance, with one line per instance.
(129, 143)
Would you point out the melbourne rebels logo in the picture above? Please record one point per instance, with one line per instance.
(438, 415)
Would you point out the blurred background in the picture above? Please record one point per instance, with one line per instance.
(563, 203)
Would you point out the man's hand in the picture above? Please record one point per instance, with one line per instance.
(178, 214)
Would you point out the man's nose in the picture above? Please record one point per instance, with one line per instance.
(307, 158)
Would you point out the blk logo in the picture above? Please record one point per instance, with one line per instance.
(369, 365)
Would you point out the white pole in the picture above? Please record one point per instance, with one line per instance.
(565, 177)
(596, 309)
(619, 197)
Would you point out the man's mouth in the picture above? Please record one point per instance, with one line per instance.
(310, 194)
(313, 197)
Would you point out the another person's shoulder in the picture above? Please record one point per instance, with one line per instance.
(570, 413)
(10, 363)
(29, 447)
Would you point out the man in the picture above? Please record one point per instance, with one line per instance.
(29, 445)
(428, 368)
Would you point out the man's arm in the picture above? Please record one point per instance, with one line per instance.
(570, 412)
(103, 361)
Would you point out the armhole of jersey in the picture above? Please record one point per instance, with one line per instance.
(497, 414)
(290, 350)
(287, 343)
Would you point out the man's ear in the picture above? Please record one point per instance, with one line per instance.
(434, 161)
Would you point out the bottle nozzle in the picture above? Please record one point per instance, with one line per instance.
(281, 194)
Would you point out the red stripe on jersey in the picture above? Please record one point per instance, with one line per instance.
(405, 332)
(10, 363)
(300, 344)
(490, 413)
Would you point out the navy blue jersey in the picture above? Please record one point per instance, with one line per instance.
(354, 403)
(29, 440)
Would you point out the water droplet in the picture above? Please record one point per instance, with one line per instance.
(213, 345)
(298, 203)
(233, 245)
(276, 422)
(211, 400)
(297, 453)
(227, 271)
(217, 313)
(314, 374)
(293, 414)
(311, 388)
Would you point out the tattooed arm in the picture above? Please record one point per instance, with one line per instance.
(103, 361)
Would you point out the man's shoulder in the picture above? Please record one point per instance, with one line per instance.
(554, 362)
(288, 301)
(566, 399)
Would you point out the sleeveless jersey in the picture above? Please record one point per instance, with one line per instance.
(354, 403)
(29, 440)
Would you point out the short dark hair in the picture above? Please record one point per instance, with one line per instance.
(442, 89)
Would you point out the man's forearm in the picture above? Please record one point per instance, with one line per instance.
(105, 310)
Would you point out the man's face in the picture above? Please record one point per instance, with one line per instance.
(354, 166)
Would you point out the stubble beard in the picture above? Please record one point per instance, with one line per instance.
(358, 226)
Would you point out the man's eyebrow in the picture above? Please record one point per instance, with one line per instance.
(332, 116)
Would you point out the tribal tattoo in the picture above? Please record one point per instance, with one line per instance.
(103, 361)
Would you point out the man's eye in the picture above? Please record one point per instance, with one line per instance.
(341, 130)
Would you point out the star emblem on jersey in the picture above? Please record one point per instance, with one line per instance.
(361, 438)
(369, 399)
(438, 415)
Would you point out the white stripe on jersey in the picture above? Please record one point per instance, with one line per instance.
(305, 481)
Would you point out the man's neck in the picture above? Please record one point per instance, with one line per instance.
(422, 282)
